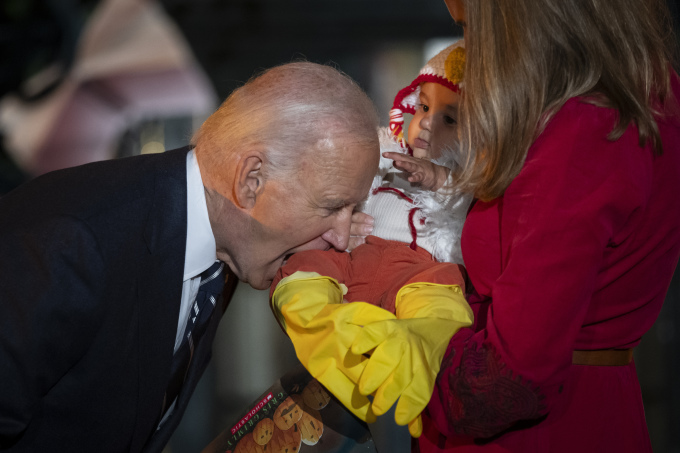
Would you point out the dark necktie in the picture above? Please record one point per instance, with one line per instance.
(212, 282)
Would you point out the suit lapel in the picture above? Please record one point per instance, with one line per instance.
(199, 362)
(160, 289)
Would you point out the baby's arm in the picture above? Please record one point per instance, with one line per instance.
(428, 175)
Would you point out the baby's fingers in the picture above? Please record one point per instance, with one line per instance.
(408, 167)
(361, 225)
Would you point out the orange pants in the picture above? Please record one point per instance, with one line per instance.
(375, 271)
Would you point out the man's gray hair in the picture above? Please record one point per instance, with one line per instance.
(290, 111)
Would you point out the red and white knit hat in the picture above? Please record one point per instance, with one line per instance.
(446, 68)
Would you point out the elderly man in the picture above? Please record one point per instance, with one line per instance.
(106, 309)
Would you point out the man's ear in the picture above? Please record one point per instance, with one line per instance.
(249, 180)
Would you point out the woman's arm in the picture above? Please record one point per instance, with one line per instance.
(576, 193)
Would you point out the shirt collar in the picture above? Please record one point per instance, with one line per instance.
(200, 246)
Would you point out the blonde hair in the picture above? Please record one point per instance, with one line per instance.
(525, 59)
(288, 111)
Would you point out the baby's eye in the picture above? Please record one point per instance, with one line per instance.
(423, 107)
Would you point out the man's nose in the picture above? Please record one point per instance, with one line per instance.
(338, 235)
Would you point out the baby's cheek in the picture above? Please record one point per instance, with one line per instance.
(442, 140)
(413, 130)
(421, 153)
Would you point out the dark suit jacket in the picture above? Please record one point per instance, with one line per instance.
(91, 266)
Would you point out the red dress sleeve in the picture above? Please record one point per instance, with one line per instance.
(534, 256)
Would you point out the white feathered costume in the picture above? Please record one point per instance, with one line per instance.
(437, 222)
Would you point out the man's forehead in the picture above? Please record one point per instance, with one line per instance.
(325, 144)
(340, 158)
(343, 182)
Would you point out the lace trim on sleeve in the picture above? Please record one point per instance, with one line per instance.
(486, 397)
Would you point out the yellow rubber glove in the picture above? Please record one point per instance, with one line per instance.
(322, 328)
(409, 350)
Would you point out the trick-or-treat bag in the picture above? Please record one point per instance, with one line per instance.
(296, 414)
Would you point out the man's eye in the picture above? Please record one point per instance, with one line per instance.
(335, 209)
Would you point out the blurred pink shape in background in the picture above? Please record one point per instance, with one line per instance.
(132, 64)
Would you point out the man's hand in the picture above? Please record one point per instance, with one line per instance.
(362, 226)
(428, 175)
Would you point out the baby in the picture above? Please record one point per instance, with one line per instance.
(410, 201)
(411, 265)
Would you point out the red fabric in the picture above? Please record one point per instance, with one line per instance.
(578, 254)
(375, 271)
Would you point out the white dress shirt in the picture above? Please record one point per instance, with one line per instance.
(200, 251)
(200, 246)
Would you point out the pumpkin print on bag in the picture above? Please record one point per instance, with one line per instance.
(288, 441)
(288, 413)
(315, 395)
(310, 426)
(248, 445)
(263, 431)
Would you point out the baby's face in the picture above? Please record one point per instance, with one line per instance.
(435, 123)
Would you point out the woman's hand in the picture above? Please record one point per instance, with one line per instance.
(421, 171)
(361, 226)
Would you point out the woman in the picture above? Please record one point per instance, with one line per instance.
(572, 107)
(574, 238)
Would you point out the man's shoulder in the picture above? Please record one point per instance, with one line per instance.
(171, 162)
(89, 190)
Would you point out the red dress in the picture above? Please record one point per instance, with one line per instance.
(577, 255)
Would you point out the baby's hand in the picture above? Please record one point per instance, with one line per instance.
(421, 171)
(361, 226)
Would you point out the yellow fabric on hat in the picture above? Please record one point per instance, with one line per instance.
(455, 65)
